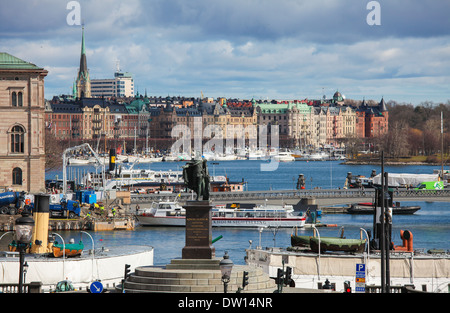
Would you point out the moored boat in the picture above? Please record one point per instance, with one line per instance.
(257, 216)
(284, 156)
(172, 214)
(369, 209)
(300, 241)
(337, 244)
(167, 213)
(67, 250)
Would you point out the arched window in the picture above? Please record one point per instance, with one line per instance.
(14, 99)
(17, 139)
(20, 99)
(17, 176)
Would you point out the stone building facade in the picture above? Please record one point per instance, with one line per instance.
(22, 142)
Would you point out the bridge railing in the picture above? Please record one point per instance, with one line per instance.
(292, 194)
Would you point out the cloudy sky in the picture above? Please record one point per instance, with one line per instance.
(262, 49)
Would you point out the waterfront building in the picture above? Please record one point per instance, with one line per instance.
(341, 124)
(318, 128)
(83, 119)
(372, 121)
(302, 123)
(22, 144)
(275, 114)
(239, 122)
(299, 119)
(138, 118)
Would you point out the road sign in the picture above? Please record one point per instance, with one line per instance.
(360, 278)
(96, 287)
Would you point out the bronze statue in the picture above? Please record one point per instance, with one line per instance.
(196, 178)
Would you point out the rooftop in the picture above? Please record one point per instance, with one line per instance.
(8, 61)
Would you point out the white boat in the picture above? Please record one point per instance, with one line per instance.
(172, 214)
(320, 156)
(128, 179)
(79, 161)
(256, 155)
(284, 156)
(167, 213)
(257, 216)
(225, 157)
(176, 158)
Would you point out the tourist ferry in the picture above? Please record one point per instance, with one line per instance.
(150, 181)
(170, 213)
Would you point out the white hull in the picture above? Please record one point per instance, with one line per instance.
(172, 214)
(180, 221)
(258, 222)
(106, 266)
(284, 158)
(161, 221)
(75, 161)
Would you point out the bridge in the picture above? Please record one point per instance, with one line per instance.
(321, 197)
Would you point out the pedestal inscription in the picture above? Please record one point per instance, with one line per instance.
(198, 231)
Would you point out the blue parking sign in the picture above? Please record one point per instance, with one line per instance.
(360, 268)
(360, 280)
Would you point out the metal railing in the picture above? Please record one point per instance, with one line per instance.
(394, 289)
(33, 287)
(294, 194)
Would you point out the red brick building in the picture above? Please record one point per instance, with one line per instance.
(372, 121)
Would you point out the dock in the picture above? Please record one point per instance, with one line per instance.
(335, 209)
(93, 224)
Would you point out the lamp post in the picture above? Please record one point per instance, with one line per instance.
(226, 265)
(23, 234)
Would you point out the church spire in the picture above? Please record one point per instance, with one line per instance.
(83, 61)
(83, 79)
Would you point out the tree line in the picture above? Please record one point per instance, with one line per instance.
(416, 130)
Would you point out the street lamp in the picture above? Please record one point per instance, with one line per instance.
(23, 234)
(226, 265)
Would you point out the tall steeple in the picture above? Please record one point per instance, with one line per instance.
(83, 79)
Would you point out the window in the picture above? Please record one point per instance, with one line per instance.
(17, 139)
(20, 99)
(14, 99)
(17, 176)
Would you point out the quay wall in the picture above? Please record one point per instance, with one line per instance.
(77, 224)
(310, 269)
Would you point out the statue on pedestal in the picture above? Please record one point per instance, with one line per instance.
(196, 177)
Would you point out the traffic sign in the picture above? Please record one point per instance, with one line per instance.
(360, 278)
(361, 268)
(96, 287)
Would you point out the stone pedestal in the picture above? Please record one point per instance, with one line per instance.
(198, 231)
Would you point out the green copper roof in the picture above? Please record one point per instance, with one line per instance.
(7, 61)
(281, 108)
(83, 47)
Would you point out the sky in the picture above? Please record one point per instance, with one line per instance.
(261, 49)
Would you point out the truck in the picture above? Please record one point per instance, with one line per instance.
(64, 208)
(11, 202)
(430, 185)
(60, 207)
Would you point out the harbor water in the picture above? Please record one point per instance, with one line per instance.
(430, 225)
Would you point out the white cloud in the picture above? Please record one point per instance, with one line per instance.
(252, 48)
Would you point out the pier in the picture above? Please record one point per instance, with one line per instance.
(323, 197)
(125, 223)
